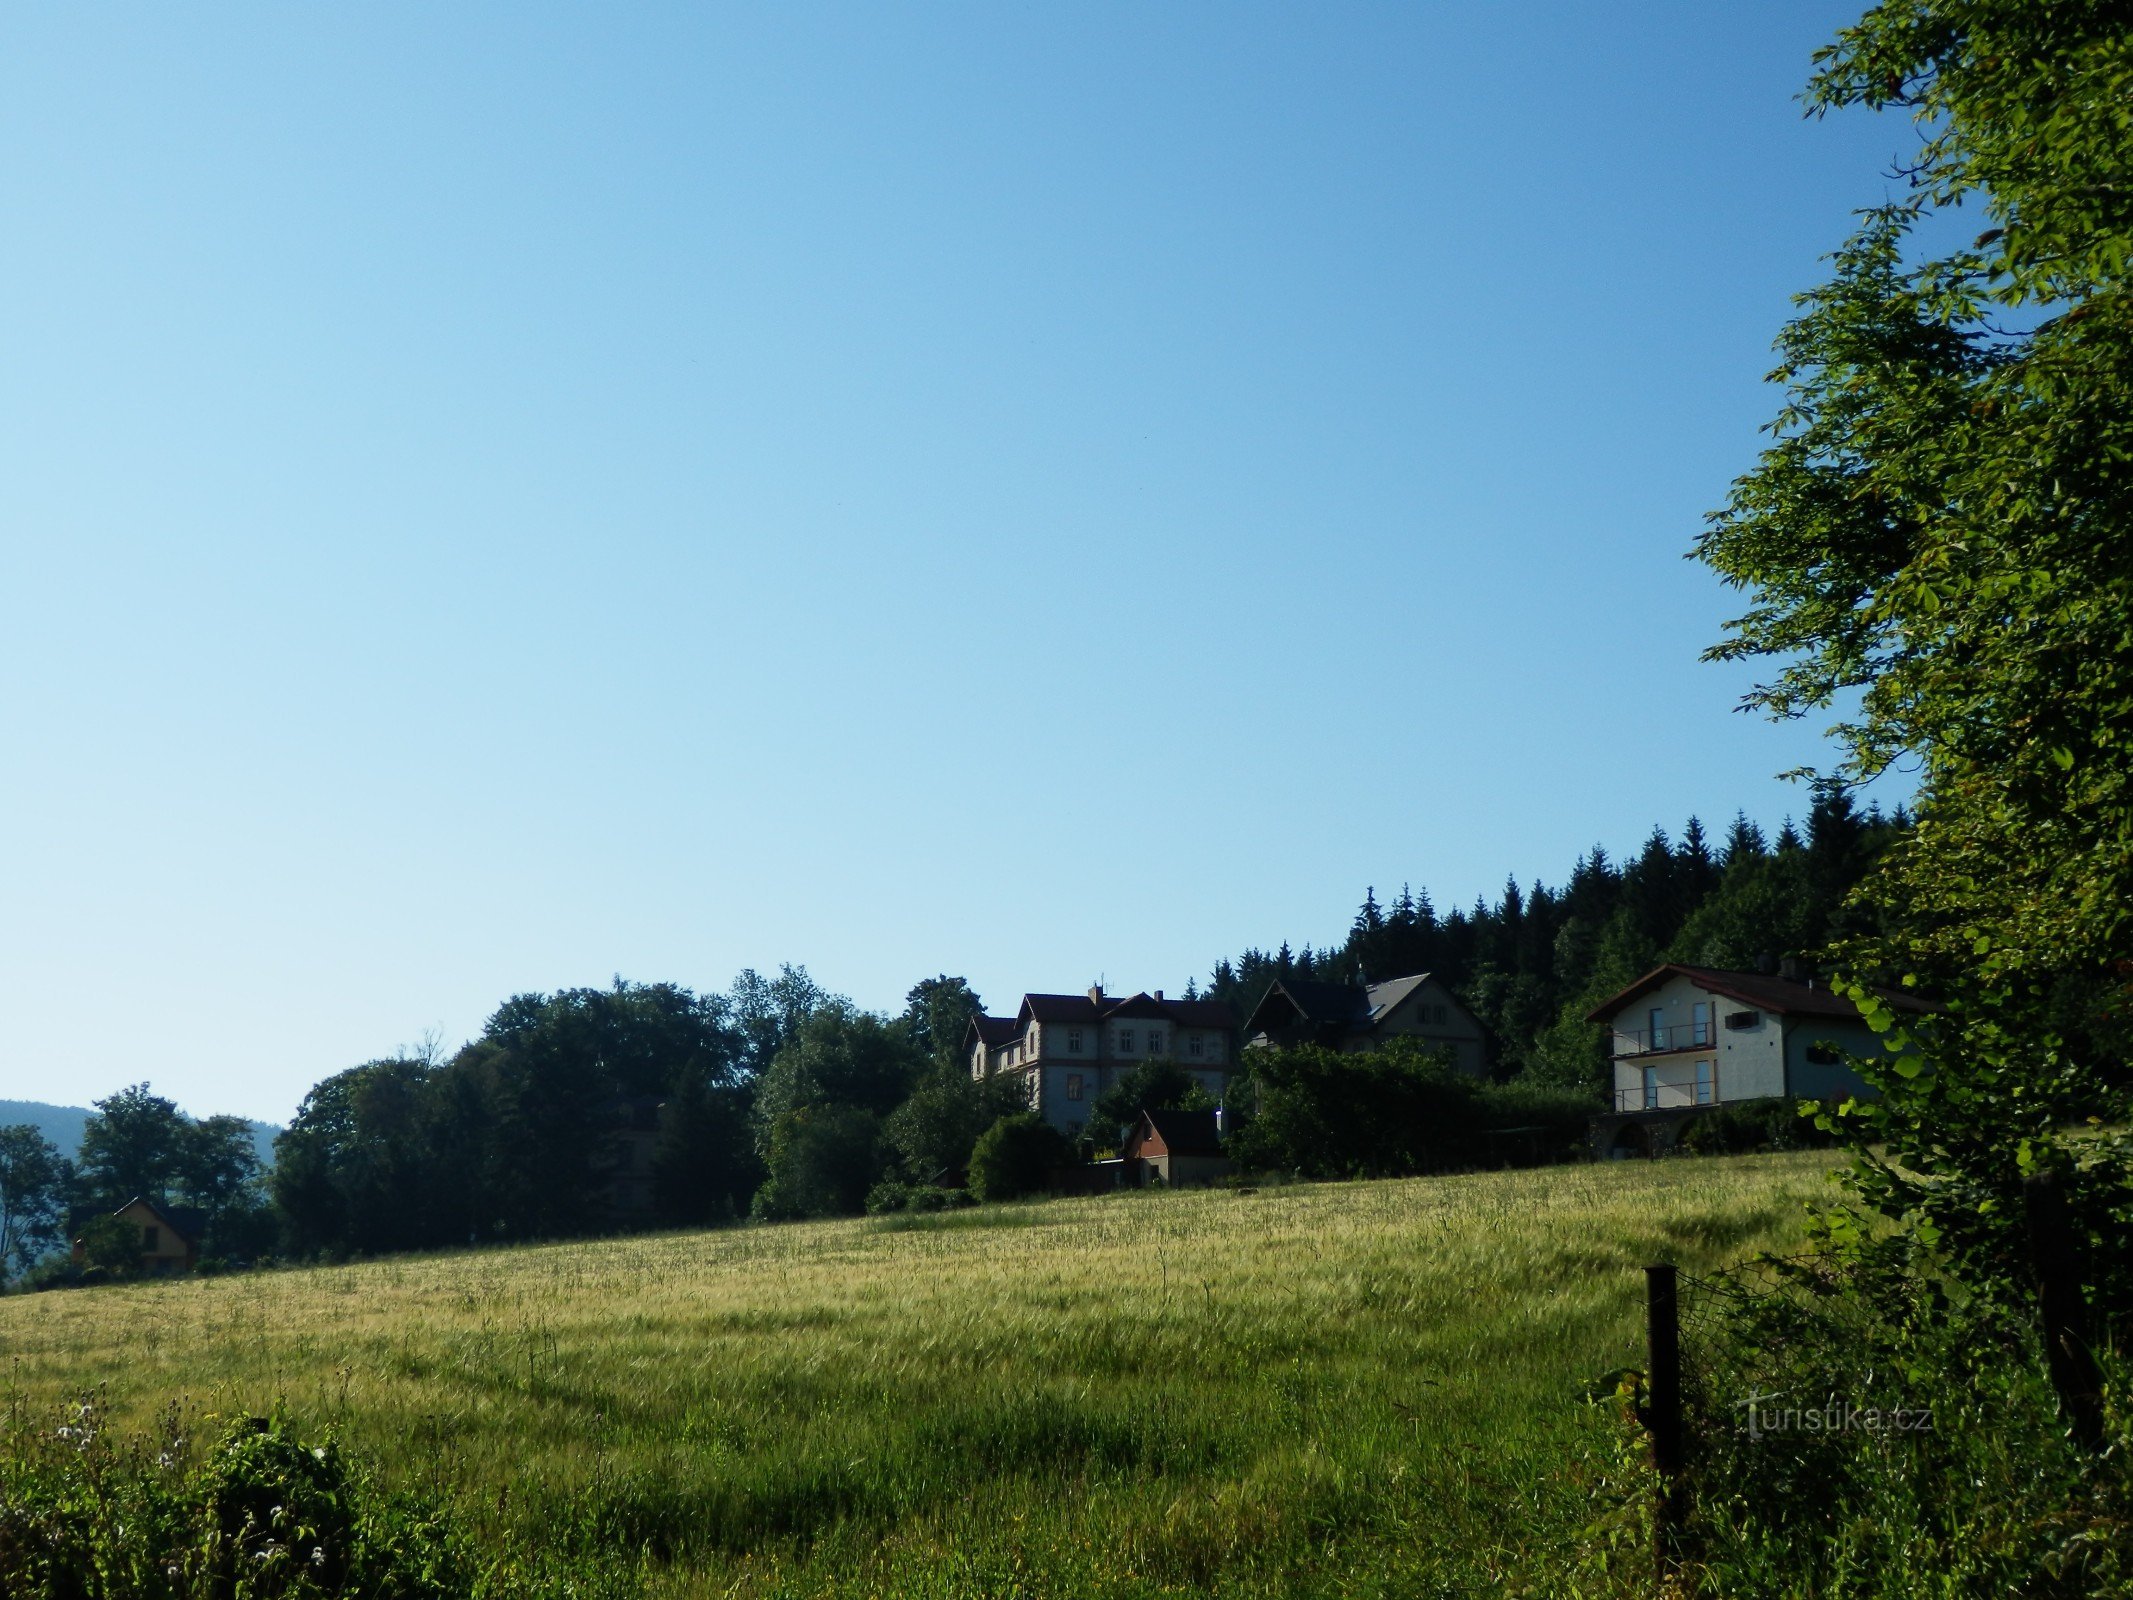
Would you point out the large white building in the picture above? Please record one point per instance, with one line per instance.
(1069, 1048)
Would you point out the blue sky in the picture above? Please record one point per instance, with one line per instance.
(493, 497)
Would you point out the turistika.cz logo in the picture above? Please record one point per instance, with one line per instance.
(1760, 1416)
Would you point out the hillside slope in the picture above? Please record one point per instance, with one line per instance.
(1354, 1388)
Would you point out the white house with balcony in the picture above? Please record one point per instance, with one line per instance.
(1068, 1049)
(1687, 1038)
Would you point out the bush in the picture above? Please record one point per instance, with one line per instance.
(1017, 1156)
(891, 1195)
(1859, 1428)
(1752, 1125)
(263, 1514)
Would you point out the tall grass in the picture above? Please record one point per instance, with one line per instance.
(1348, 1389)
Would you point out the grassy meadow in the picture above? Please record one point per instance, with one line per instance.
(1353, 1389)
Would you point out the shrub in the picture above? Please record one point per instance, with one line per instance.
(1751, 1125)
(264, 1513)
(1017, 1156)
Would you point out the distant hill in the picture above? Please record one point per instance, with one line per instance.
(63, 1125)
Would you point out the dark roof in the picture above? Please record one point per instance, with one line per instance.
(1186, 1133)
(1788, 997)
(187, 1222)
(992, 1030)
(1080, 1008)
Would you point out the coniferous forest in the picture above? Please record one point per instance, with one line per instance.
(1532, 965)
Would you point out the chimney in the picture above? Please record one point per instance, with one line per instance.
(1096, 994)
(1159, 994)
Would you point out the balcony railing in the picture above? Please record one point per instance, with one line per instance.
(1665, 1097)
(1680, 1036)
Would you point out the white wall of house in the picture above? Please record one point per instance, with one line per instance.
(1753, 1054)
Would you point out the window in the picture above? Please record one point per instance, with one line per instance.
(1155, 1041)
(1700, 1022)
(1036, 1047)
(1125, 1041)
(1706, 1082)
(1655, 1025)
(1073, 1041)
(1744, 1019)
(1438, 1014)
(1651, 1088)
(1823, 1055)
(1073, 1086)
(1197, 1045)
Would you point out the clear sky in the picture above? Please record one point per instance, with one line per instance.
(497, 496)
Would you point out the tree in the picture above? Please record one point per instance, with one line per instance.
(1016, 1157)
(136, 1144)
(1940, 528)
(842, 1055)
(941, 1119)
(34, 1179)
(1152, 1086)
(937, 1015)
(822, 1160)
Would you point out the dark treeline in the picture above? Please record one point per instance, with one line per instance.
(598, 1110)
(1534, 963)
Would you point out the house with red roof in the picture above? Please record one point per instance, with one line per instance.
(1068, 1049)
(1684, 1039)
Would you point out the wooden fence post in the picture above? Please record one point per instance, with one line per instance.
(2063, 1309)
(1662, 1415)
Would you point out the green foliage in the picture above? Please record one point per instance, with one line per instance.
(1939, 527)
(1017, 1156)
(1732, 1130)
(822, 1160)
(1151, 1086)
(937, 1015)
(843, 1056)
(890, 1196)
(34, 1180)
(134, 1145)
(934, 1128)
(110, 1249)
(1325, 1113)
(1903, 1441)
(513, 1136)
(262, 1514)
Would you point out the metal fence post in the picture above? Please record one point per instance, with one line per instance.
(1662, 1412)
(2064, 1310)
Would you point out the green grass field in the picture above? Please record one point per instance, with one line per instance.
(1353, 1389)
